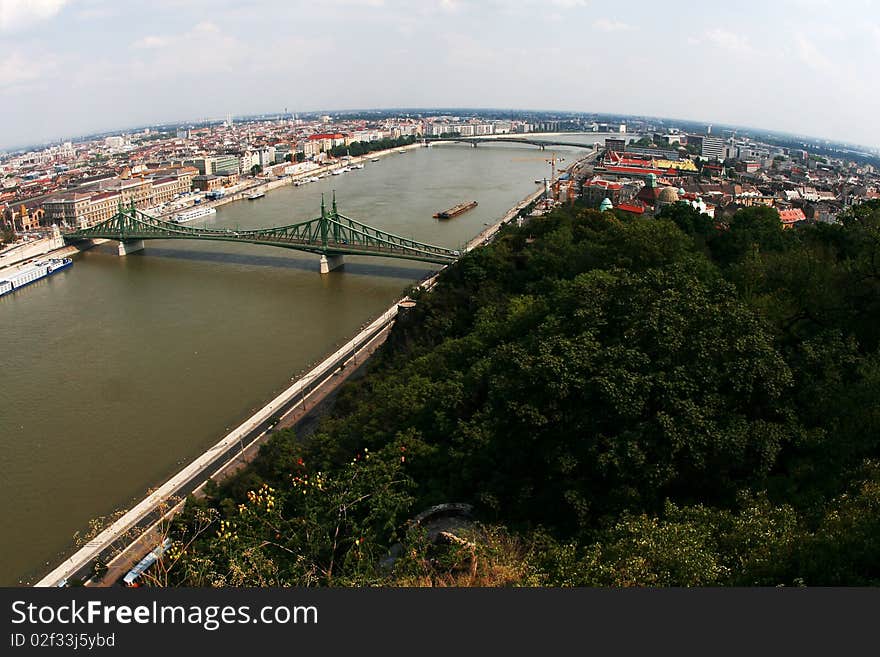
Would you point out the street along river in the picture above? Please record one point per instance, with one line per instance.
(119, 370)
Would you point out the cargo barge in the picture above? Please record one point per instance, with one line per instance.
(455, 210)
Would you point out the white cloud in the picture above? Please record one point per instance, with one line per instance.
(810, 55)
(206, 28)
(17, 68)
(18, 14)
(356, 3)
(728, 40)
(202, 49)
(201, 30)
(607, 25)
(725, 40)
(150, 42)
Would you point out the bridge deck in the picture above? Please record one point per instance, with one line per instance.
(331, 234)
(510, 140)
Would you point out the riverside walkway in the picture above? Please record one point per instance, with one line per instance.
(119, 541)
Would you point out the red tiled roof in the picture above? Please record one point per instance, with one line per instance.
(637, 170)
(627, 207)
(791, 216)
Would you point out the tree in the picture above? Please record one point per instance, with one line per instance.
(690, 221)
(671, 403)
(757, 226)
(316, 527)
(256, 170)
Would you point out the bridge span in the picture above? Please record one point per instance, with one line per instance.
(332, 236)
(475, 141)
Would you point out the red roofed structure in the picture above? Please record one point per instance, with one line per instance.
(597, 189)
(631, 207)
(790, 217)
(327, 135)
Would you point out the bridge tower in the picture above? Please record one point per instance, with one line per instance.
(127, 247)
(330, 236)
(329, 262)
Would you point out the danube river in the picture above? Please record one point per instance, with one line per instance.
(119, 371)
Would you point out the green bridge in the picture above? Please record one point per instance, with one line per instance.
(332, 236)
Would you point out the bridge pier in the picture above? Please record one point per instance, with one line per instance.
(130, 246)
(329, 263)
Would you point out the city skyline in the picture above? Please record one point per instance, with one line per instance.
(76, 67)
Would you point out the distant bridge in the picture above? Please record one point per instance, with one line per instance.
(474, 141)
(332, 236)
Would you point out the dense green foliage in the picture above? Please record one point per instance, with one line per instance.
(358, 148)
(625, 402)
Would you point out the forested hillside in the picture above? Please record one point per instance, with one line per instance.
(623, 402)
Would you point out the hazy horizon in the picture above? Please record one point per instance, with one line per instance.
(76, 67)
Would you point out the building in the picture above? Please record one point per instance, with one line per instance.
(228, 179)
(309, 148)
(282, 153)
(667, 196)
(246, 161)
(265, 157)
(616, 145)
(697, 203)
(634, 208)
(790, 217)
(81, 209)
(595, 190)
(164, 190)
(101, 207)
(327, 140)
(710, 147)
(667, 138)
(748, 166)
(207, 183)
(21, 217)
(205, 165)
(225, 164)
(100, 200)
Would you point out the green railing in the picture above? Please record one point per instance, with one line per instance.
(330, 234)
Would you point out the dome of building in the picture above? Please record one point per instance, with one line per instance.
(606, 204)
(668, 195)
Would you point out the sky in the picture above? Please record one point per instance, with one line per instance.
(71, 67)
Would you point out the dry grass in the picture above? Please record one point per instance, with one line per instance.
(481, 557)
